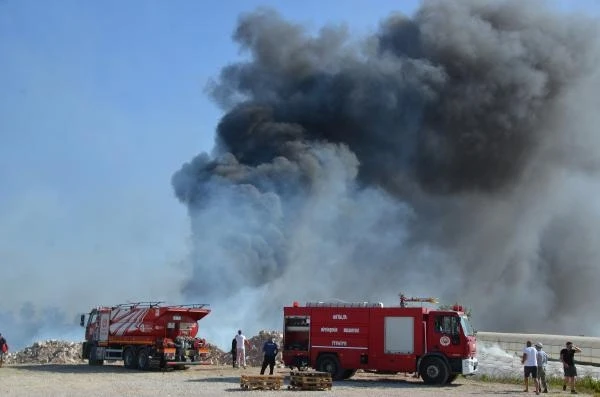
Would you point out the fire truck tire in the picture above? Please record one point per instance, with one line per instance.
(348, 373)
(330, 363)
(93, 361)
(452, 378)
(129, 358)
(434, 371)
(143, 359)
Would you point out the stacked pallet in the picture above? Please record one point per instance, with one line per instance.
(261, 382)
(310, 380)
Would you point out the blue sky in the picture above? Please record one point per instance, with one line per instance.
(107, 94)
(105, 97)
(100, 102)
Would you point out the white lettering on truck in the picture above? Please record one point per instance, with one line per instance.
(340, 317)
(352, 330)
(339, 343)
(331, 330)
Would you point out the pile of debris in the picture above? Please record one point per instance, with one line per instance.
(62, 352)
(254, 354)
(47, 352)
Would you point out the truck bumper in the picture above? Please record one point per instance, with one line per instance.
(469, 366)
(186, 363)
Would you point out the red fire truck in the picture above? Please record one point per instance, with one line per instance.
(341, 338)
(144, 335)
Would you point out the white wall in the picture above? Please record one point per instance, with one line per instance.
(514, 343)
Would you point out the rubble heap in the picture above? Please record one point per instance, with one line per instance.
(62, 352)
(47, 352)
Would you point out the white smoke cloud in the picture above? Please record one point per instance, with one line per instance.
(60, 260)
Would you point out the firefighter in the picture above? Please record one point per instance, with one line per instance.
(270, 349)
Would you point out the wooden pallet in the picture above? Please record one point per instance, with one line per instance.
(310, 380)
(314, 374)
(261, 382)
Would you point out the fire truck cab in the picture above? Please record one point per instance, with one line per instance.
(342, 338)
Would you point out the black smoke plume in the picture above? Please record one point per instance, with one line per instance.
(453, 153)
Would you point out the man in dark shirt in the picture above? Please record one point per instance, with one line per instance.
(567, 357)
(234, 351)
(270, 349)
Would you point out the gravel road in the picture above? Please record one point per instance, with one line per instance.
(114, 380)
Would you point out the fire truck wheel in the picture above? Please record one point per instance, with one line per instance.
(143, 360)
(348, 373)
(434, 371)
(129, 359)
(452, 378)
(330, 363)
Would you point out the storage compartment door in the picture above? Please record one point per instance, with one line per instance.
(399, 335)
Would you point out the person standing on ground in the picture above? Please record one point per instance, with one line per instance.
(3, 349)
(529, 360)
(270, 349)
(241, 343)
(542, 361)
(567, 357)
(234, 351)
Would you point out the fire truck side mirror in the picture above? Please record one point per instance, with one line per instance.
(82, 320)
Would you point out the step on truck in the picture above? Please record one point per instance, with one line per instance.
(145, 335)
(341, 338)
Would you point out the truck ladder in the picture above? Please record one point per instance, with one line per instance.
(344, 304)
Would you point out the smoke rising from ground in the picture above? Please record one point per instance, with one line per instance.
(57, 254)
(453, 153)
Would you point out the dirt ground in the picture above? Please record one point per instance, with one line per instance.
(114, 380)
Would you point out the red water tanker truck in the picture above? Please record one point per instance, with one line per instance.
(341, 338)
(145, 335)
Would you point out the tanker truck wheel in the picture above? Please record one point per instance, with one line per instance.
(143, 360)
(129, 358)
(330, 363)
(93, 359)
(434, 371)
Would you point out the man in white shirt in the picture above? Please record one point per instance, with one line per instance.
(529, 360)
(241, 343)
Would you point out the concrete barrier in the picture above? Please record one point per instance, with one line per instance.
(514, 344)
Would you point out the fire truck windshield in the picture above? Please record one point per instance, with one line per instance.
(447, 324)
(466, 326)
(93, 317)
